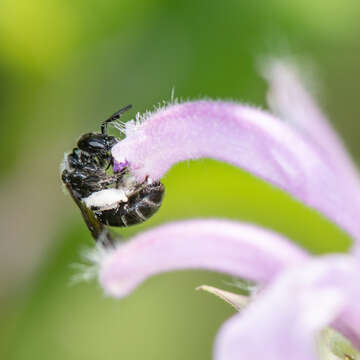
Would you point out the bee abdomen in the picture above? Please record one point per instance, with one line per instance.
(140, 207)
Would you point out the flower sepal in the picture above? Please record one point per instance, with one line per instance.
(333, 346)
(235, 300)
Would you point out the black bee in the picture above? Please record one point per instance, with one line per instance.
(104, 196)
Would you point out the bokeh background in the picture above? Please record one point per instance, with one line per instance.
(65, 66)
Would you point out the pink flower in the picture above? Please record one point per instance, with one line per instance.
(298, 152)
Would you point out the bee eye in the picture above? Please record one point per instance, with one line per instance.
(92, 143)
(96, 144)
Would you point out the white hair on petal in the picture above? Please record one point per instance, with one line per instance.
(132, 125)
(91, 260)
(249, 287)
(120, 125)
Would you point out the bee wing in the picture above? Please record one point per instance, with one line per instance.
(98, 231)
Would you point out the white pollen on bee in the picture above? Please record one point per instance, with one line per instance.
(105, 199)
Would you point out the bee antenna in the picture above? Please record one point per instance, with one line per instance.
(113, 117)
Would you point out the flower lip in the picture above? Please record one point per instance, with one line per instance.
(230, 247)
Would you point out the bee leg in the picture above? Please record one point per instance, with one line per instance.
(118, 182)
(111, 163)
(116, 210)
(123, 219)
(140, 214)
(113, 179)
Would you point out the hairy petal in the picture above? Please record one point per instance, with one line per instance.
(230, 247)
(285, 320)
(245, 137)
(289, 99)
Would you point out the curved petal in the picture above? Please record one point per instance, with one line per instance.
(284, 321)
(245, 137)
(348, 322)
(239, 249)
(288, 98)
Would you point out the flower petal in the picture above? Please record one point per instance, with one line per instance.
(289, 99)
(284, 321)
(239, 249)
(246, 137)
(348, 322)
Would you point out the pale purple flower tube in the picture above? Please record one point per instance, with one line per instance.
(245, 137)
(230, 247)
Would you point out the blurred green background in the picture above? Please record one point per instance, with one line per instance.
(65, 66)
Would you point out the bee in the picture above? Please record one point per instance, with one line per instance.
(106, 197)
